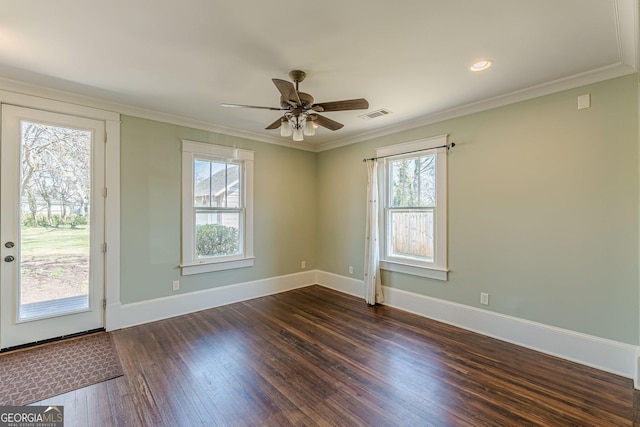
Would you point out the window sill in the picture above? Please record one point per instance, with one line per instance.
(428, 272)
(216, 266)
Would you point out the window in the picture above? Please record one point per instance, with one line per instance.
(415, 208)
(217, 208)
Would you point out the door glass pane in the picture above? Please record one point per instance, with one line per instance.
(54, 228)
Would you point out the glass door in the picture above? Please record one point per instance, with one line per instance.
(52, 227)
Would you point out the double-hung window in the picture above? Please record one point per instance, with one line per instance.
(415, 208)
(217, 207)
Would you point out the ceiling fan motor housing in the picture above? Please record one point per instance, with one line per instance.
(306, 101)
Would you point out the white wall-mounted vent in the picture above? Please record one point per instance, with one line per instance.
(374, 114)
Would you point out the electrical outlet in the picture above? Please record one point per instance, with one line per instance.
(351, 269)
(484, 298)
(303, 264)
(176, 285)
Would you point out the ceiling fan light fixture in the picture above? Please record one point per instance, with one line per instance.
(298, 135)
(481, 65)
(309, 129)
(285, 128)
(301, 112)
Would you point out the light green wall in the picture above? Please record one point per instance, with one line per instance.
(285, 210)
(543, 210)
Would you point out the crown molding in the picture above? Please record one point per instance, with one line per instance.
(22, 88)
(627, 31)
(627, 25)
(618, 69)
(605, 73)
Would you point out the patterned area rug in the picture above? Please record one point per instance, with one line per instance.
(36, 373)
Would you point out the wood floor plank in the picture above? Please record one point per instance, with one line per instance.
(316, 357)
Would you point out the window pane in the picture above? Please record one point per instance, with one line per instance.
(427, 181)
(217, 234)
(413, 182)
(412, 234)
(233, 185)
(218, 185)
(201, 183)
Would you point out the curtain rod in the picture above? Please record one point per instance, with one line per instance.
(448, 147)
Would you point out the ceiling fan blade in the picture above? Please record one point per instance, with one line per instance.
(275, 125)
(288, 91)
(250, 106)
(349, 104)
(325, 122)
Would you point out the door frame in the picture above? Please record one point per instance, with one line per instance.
(112, 184)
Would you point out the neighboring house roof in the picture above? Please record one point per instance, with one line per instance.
(220, 183)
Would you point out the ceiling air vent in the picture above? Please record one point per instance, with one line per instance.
(374, 114)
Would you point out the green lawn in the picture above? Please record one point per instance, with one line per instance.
(38, 241)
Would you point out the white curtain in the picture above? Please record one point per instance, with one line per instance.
(372, 283)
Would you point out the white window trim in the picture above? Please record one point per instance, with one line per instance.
(438, 269)
(190, 265)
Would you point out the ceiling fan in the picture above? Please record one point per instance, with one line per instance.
(301, 113)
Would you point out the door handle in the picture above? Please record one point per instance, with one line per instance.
(9, 258)
(9, 245)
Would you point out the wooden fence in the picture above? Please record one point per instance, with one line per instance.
(412, 234)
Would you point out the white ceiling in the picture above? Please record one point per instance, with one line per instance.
(178, 60)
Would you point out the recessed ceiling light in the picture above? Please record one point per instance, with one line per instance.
(481, 64)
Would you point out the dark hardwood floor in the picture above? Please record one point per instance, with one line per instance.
(314, 356)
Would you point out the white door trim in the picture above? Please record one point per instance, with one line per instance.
(112, 181)
(13, 331)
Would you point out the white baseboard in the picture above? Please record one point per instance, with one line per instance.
(607, 355)
(112, 316)
(162, 308)
(604, 354)
(347, 285)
